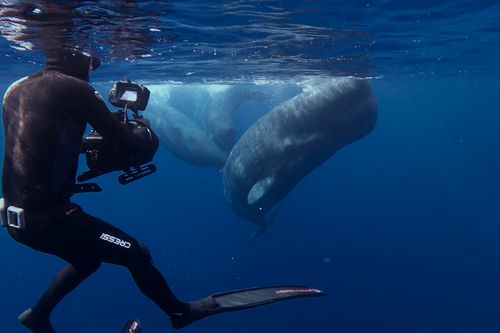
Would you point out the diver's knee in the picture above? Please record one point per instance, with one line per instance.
(142, 256)
(145, 253)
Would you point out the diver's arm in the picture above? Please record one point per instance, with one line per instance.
(137, 144)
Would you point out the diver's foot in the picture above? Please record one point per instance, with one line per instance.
(197, 310)
(35, 323)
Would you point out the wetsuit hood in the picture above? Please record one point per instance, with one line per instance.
(71, 62)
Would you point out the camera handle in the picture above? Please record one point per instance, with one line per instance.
(135, 173)
(129, 175)
(89, 174)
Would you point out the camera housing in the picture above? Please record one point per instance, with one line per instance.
(100, 154)
(125, 94)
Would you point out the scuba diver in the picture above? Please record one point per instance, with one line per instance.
(44, 118)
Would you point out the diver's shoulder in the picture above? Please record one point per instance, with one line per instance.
(56, 75)
(64, 83)
(51, 81)
(14, 85)
(46, 77)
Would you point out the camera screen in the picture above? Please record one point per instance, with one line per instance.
(125, 94)
(129, 95)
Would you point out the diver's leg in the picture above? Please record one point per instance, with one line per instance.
(35, 323)
(115, 246)
(152, 283)
(55, 236)
(67, 279)
(64, 282)
(110, 244)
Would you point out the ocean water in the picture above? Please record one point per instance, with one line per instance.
(400, 228)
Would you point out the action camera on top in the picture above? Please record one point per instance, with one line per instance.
(125, 94)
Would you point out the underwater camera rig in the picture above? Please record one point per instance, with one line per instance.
(101, 156)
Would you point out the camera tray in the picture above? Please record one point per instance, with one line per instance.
(135, 173)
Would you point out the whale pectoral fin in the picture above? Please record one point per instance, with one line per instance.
(268, 219)
(272, 214)
(259, 189)
(258, 233)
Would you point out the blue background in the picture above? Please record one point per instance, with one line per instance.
(401, 229)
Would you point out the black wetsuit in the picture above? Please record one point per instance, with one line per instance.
(44, 117)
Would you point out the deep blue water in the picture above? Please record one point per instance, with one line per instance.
(400, 228)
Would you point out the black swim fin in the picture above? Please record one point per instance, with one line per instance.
(239, 300)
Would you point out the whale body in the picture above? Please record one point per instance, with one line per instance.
(291, 140)
(186, 140)
(218, 116)
(196, 122)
